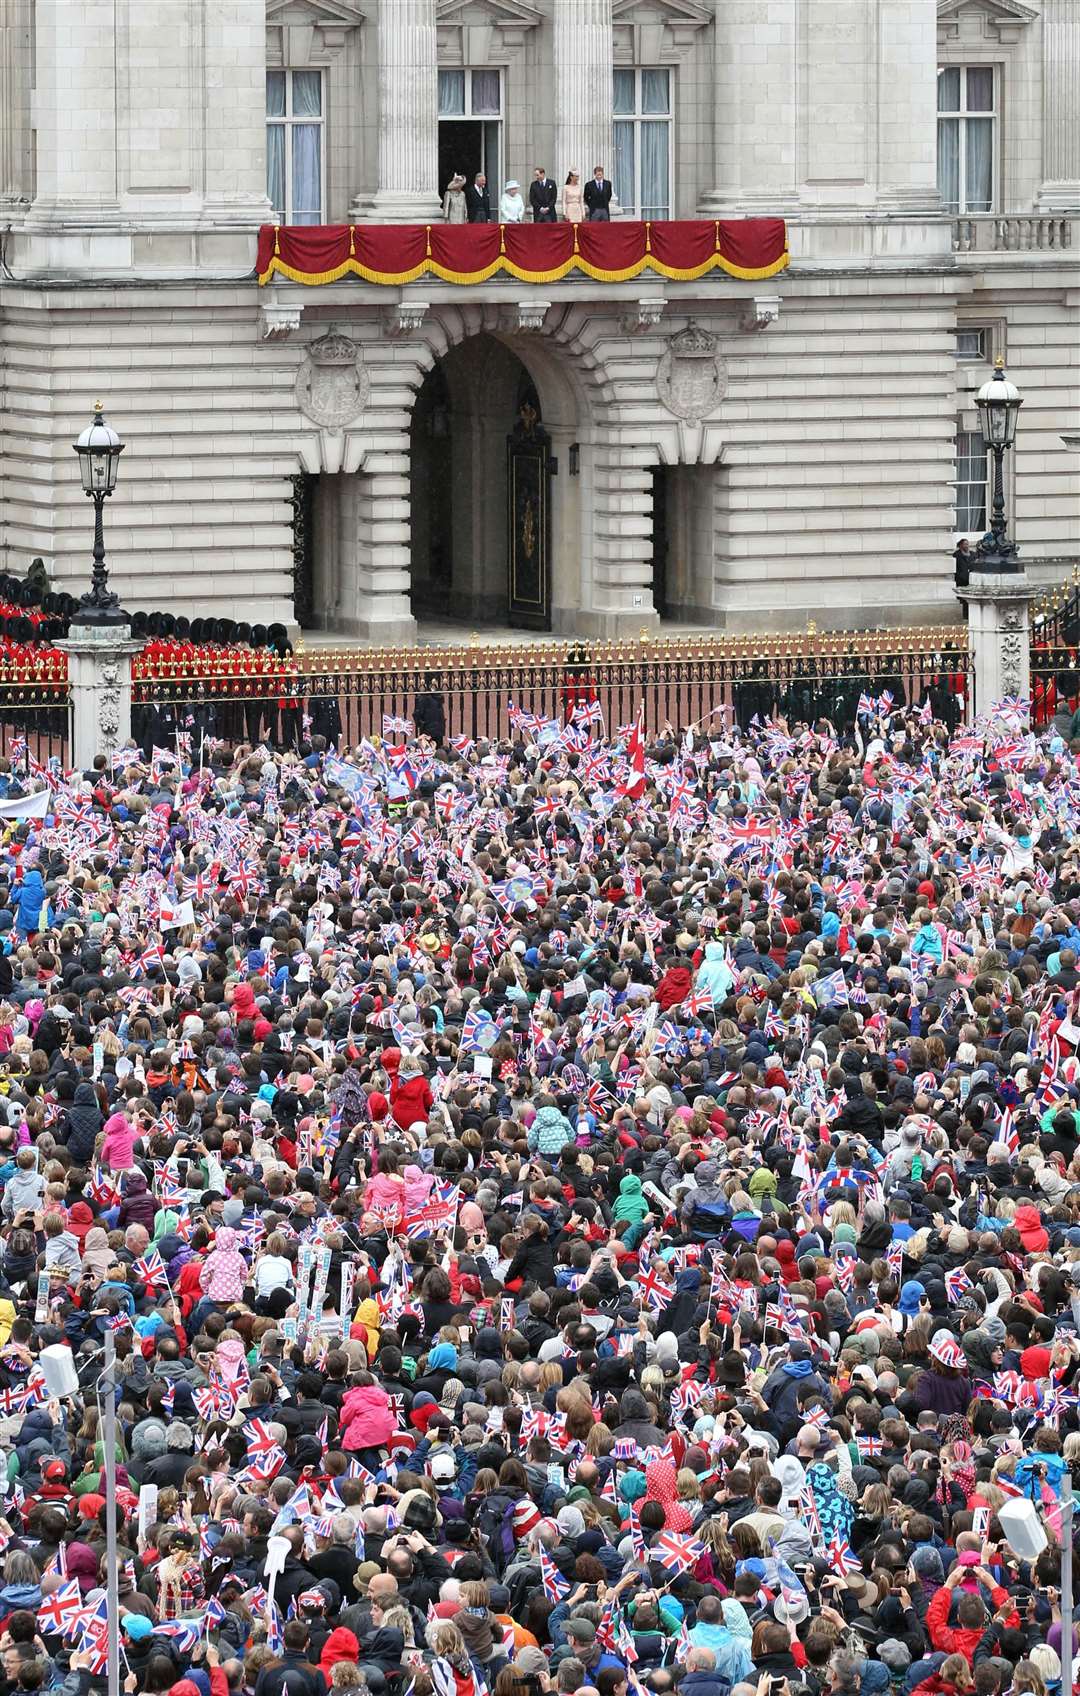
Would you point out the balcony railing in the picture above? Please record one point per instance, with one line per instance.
(993, 232)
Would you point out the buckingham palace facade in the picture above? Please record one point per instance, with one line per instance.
(589, 448)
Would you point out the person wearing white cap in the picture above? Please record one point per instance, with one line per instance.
(511, 205)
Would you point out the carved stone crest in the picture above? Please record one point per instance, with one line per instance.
(332, 387)
(691, 378)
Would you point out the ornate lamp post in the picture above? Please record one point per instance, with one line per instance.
(99, 449)
(999, 401)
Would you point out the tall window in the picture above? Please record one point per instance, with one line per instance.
(641, 174)
(470, 126)
(294, 145)
(970, 481)
(967, 140)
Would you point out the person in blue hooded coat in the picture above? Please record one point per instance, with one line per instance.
(29, 901)
(781, 1389)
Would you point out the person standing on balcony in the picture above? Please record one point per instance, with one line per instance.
(598, 197)
(573, 200)
(511, 205)
(478, 200)
(542, 197)
(454, 208)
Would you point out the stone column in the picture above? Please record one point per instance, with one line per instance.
(407, 190)
(755, 61)
(75, 112)
(99, 673)
(907, 106)
(998, 605)
(1060, 190)
(584, 89)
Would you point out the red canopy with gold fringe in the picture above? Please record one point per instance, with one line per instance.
(533, 253)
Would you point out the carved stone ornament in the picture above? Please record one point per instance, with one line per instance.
(691, 378)
(1013, 640)
(108, 705)
(332, 387)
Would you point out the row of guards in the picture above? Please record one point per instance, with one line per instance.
(1055, 655)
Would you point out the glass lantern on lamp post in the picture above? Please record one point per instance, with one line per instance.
(999, 402)
(99, 449)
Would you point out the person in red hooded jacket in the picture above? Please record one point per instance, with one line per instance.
(1032, 1231)
(674, 986)
(243, 1007)
(411, 1099)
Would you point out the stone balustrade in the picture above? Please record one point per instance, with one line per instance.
(1016, 232)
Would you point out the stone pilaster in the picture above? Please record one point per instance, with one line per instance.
(407, 50)
(907, 106)
(75, 113)
(381, 612)
(754, 138)
(582, 50)
(235, 111)
(1060, 190)
(621, 503)
(15, 152)
(998, 606)
(99, 671)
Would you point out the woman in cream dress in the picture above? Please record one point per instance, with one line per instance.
(573, 199)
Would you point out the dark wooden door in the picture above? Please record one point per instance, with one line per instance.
(528, 479)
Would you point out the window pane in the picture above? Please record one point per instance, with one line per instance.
(307, 94)
(655, 187)
(980, 88)
(275, 169)
(306, 173)
(275, 94)
(656, 91)
(979, 173)
(451, 94)
(624, 93)
(948, 163)
(622, 176)
(970, 480)
(970, 344)
(948, 89)
(485, 94)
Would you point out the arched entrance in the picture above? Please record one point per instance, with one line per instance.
(493, 504)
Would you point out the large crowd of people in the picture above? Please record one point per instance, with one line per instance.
(592, 1210)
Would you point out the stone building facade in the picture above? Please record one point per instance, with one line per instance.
(816, 462)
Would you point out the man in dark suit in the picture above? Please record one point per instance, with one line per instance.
(598, 197)
(542, 197)
(478, 200)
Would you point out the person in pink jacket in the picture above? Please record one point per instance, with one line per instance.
(224, 1273)
(118, 1149)
(385, 1188)
(366, 1420)
(417, 1188)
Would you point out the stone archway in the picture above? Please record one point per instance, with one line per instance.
(466, 501)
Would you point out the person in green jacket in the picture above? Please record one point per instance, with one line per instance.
(630, 1207)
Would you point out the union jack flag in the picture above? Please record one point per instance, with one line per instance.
(555, 1585)
(91, 1627)
(185, 1633)
(150, 1268)
(58, 1611)
(839, 1555)
(677, 1554)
